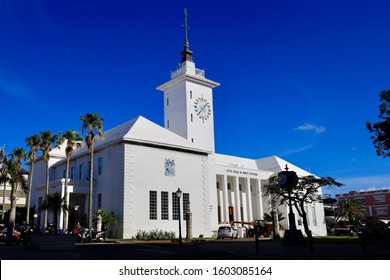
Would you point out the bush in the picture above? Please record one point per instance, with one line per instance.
(154, 235)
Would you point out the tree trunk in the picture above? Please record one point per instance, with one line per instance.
(29, 193)
(45, 213)
(307, 230)
(3, 209)
(90, 189)
(12, 215)
(65, 221)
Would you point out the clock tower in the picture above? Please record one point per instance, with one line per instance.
(188, 101)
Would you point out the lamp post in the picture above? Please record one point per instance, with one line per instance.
(188, 222)
(289, 180)
(178, 194)
(76, 207)
(35, 218)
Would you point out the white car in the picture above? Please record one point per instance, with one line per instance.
(227, 231)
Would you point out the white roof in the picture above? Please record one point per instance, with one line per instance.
(276, 164)
(234, 161)
(272, 164)
(143, 131)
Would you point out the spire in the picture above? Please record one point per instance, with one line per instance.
(186, 53)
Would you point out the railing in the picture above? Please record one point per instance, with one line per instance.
(183, 69)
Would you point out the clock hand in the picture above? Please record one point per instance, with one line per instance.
(202, 108)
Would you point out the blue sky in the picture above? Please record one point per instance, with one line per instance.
(299, 79)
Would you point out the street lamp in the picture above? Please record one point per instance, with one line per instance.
(35, 218)
(76, 207)
(288, 180)
(188, 222)
(178, 194)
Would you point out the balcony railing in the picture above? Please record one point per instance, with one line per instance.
(185, 69)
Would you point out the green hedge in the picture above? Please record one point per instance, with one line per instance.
(156, 234)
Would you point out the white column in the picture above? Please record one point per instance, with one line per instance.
(225, 200)
(249, 200)
(219, 195)
(60, 220)
(237, 201)
(259, 197)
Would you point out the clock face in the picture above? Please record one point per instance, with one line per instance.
(282, 179)
(202, 108)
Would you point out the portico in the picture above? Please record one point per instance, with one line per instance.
(239, 193)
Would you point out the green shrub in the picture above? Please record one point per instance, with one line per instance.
(156, 234)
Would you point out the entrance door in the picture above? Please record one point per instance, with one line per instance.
(231, 213)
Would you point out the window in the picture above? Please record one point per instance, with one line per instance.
(100, 163)
(175, 207)
(299, 220)
(167, 101)
(152, 205)
(99, 201)
(167, 123)
(307, 215)
(381, 211)
(190, 94)
(81, 172)
(192, 118)
(313, 211)
(72, 173)
(64, 174)
(379, 198)
(186, 204)
(164, 206)
(361, 199)
(39, 202)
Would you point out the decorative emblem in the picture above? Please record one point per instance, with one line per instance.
(169, 167)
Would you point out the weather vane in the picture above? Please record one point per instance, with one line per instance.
(186, 53)
(185, 26)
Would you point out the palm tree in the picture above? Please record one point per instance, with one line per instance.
(17, 179)
(71, 138)
(351, 210)
(54, 203)
(34, 141)
(17, 155)
(268, 217)
(91, 123)
(4, 178)
(48, 142)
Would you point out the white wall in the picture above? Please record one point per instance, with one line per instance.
(144, 171)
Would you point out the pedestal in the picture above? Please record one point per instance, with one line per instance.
(189, 225)
(293, 238)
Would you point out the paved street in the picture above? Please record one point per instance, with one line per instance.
(211, 249)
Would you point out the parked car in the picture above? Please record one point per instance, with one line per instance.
(351, 231)
(227, 231)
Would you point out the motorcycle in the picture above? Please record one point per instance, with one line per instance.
(26, 232)
(98, 236)
(85, 235)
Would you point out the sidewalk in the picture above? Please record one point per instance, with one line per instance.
(209, 249)
(273, 249)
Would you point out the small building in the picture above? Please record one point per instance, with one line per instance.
(5, 193)
(377, 202)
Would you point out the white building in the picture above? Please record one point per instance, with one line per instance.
(5, 194)
(139, 165)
